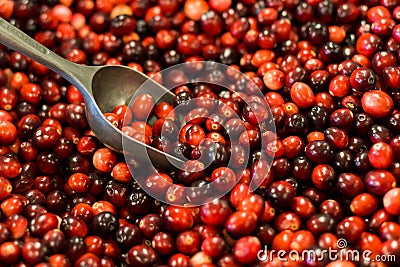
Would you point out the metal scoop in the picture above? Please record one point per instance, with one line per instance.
(103, 88)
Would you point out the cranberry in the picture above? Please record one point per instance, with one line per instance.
(215, 212)
(75, 115)
(9, 98)
(391, 76)
(142, 255)
(32, 93)
(323, 176)
(287, 221)
(179, 259)
(5, 188)
(382, 60)
(33, 251)
(8, 133)
(302, 95)
(213, 246)
(381, 155)
(281, 193)
(241, 223)
(350, 184)
(378, 218)
(10, 252)
(340, 86)
(104, 224)
(338, 138)
(377, 103)
(46, 137)
(104, 159)
(389, 230)
(128, 236)
(43, 223)
(319, 151)
(351, 228)
(368, 44)
(364, 204)
(296, 124)
(188, 242)
(246, 249)
(178, 224)
(282, 240)
(10, 166)
(390, 201)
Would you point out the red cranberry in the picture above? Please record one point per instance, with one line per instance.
(104, 159)
(368, 44)
(377, 103)
(10, 252)
(241, 223)
(215, 212)
(364, 204)
(302, 95)
(340, 86)
(246, 249)
(188, 242)
(391, 201)
(177, 219)
(287, 221)
(213, 246)
(323, 176)
(381, 155)
(8, 133)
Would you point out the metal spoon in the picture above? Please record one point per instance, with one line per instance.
(103, 88)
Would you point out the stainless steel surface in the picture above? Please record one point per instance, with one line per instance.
(102, 87)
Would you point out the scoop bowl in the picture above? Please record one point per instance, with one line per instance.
(103, 88)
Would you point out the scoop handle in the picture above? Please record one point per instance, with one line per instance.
(19, 41)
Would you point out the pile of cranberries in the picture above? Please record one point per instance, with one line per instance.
(329, 72)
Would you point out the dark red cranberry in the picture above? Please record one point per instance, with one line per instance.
(320, 223)
(74, 248)
(127, 236)
(316, 32)
(76, 117)
(350, 184)
(56, 201)
(104, 224)
(281, 194)
(319, 151)
(150, 224)
(9, 98)
(301, 168)
(215, 212)
(330, 52)
(142, 255)
(351, 228)
(380, 133)
(296, 124)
